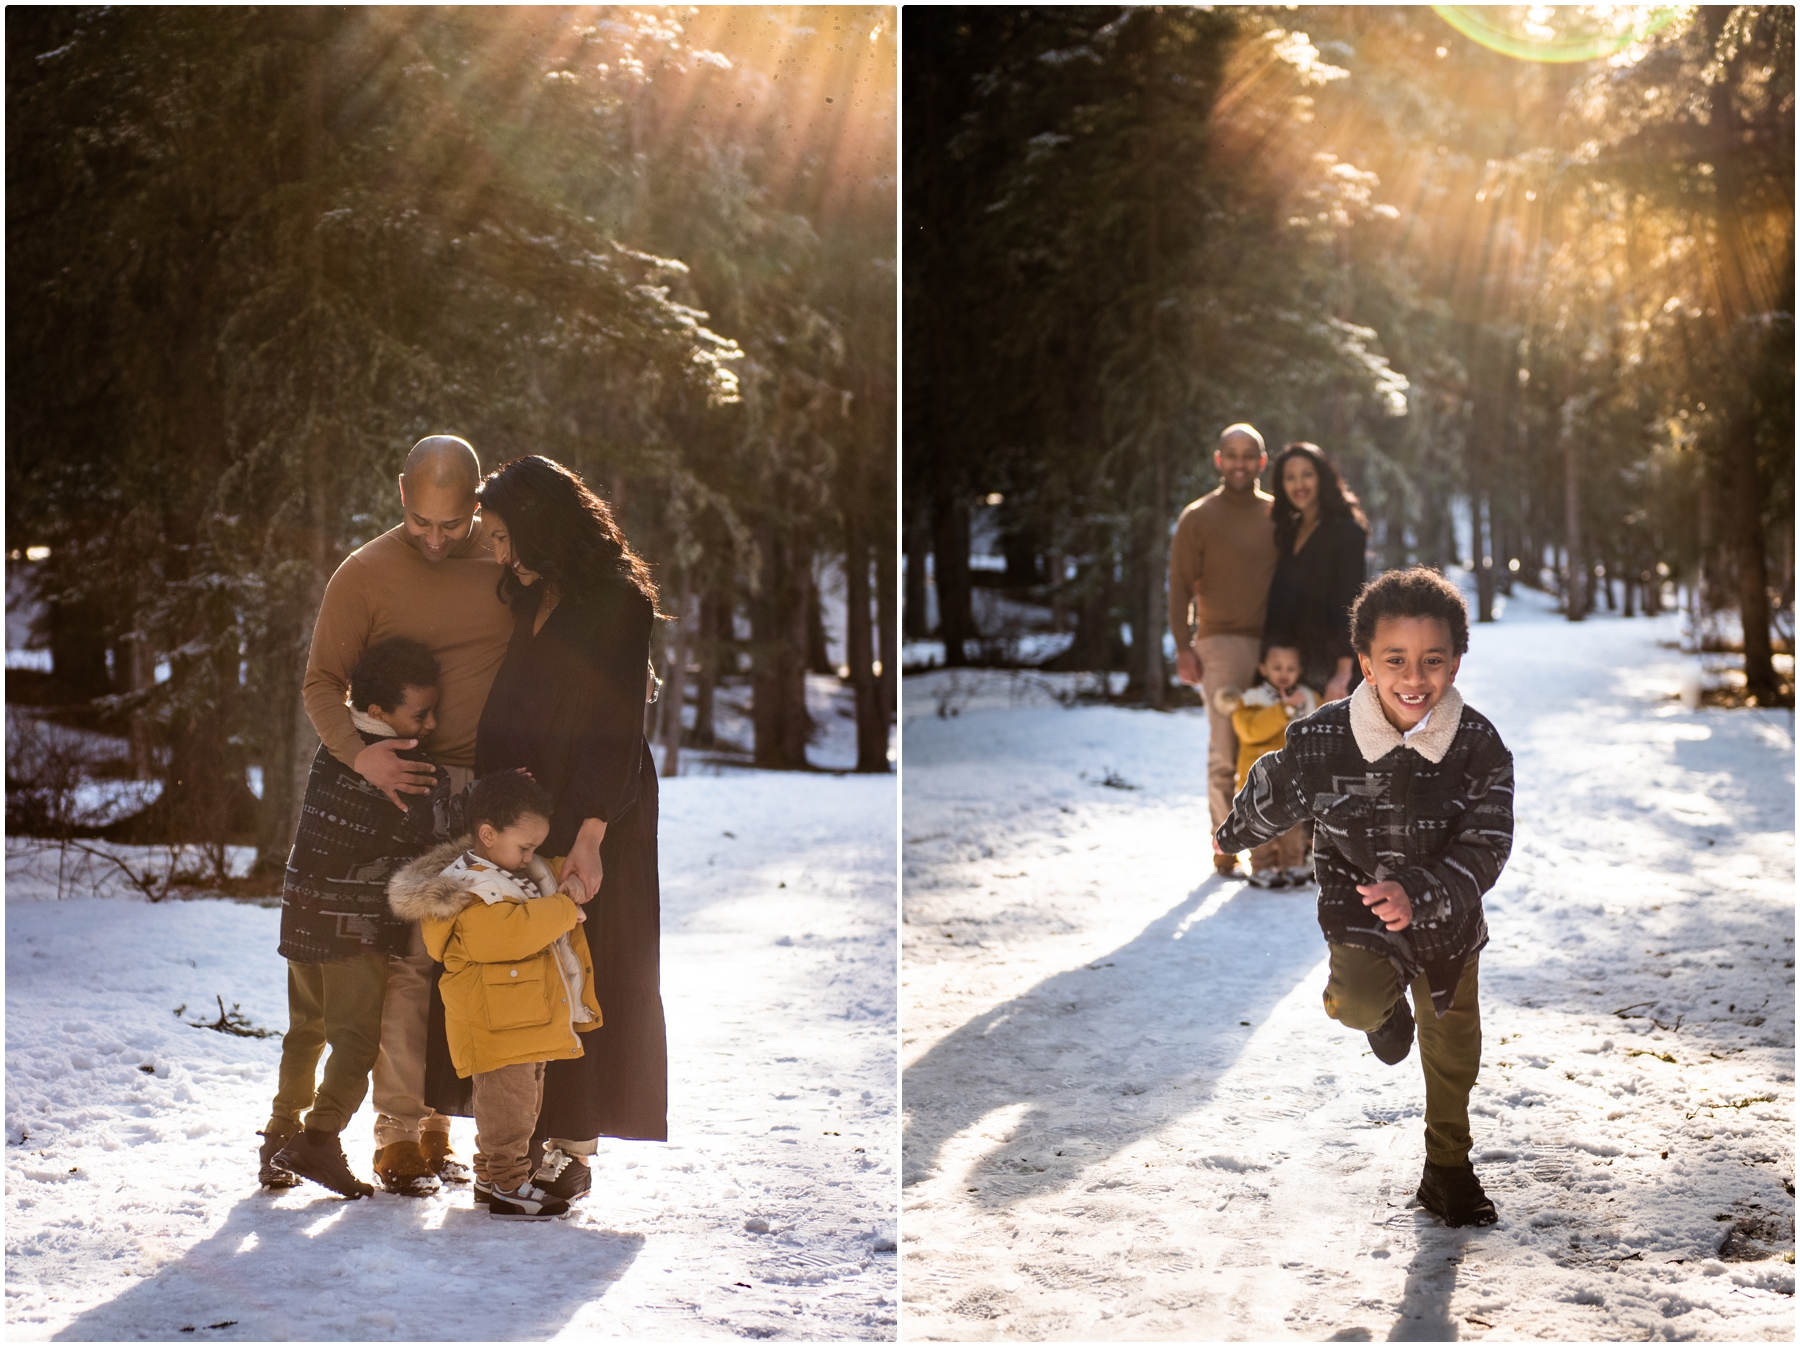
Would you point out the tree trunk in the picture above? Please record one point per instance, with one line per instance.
(818, 647)
(914, 610)
(292, 742)
(871, 718)
(1753, 572)
(887, 632)
(950, 557)
(1156, 541)
(1482, 526)
(778, 629)
(674, 688)
(1574, 577)
(712, 611)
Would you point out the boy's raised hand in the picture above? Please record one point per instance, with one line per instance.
(381, 766)
(1388, 901)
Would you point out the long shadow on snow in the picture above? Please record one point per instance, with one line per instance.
(1424, 1309)
(1104, 1053)
(367, 1270)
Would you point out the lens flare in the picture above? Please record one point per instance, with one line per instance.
(1557, 33)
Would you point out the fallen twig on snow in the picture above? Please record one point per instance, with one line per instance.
(232, 1021)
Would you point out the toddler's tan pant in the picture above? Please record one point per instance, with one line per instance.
(506, 1112)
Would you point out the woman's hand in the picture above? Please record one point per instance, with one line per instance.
(1389, 902)
(581, 873)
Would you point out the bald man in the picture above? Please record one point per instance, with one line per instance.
(433, 579)
(1221, 561)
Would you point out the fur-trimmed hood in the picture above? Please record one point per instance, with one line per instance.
(421, 890)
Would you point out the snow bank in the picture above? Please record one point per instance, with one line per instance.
(1127, 1115)
(132, 1209)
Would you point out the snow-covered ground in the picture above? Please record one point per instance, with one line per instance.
(132, 1209)
(1127, 1115)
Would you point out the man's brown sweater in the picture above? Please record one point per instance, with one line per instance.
(386, 588)
(1221, 562)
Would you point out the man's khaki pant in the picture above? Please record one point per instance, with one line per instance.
(401, 1112)
(337, 1004)
(506, 1113)
(1361, 993)
(1225, 662)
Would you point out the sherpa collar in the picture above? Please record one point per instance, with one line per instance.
(368, 724)
(1375, 738)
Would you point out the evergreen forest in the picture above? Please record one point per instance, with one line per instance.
(255, 253)
(1525, 273)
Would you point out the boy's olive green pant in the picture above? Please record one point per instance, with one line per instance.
(1361, 993)
(336, 1004)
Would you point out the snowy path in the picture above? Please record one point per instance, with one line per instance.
(131, 1204)
(1127, 1116)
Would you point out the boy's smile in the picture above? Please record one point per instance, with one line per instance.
(1411, 664)
(416, 716)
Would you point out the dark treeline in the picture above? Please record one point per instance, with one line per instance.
(1556, 298)
(254, 254)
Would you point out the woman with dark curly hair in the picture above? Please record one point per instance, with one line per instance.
(1320, 538)
(568, 706)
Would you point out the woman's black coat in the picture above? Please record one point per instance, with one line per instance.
(568, 705)
(1311, 594)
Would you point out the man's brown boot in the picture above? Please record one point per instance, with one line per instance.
(402, 1168)
(443, 1161)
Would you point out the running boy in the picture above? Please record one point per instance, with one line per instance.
(517, 991)
(1260, 717)
(1410, 793)
(336, 930)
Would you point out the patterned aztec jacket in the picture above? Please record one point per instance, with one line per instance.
(1433, 813)
(350, 840)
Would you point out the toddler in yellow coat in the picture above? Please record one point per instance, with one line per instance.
(1260, 718)
(517, 991)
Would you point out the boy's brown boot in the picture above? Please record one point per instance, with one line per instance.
(402, 1168)
(1454, 1195)
(443, 1161)
(275, 1137)
(318, 1156)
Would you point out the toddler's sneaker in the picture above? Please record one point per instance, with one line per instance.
(1454, 1195)
(563, 1175)
(1299, 876)
(319, 1157)
(524, 1203)
(1272, 878)
(441, 1159)
(270, 1174)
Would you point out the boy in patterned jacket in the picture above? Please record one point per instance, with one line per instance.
(336, 929)
(1410, 794)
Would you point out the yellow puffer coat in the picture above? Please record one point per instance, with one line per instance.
(1260, 722)
(505, 997)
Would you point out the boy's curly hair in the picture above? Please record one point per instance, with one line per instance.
(501, 799)
(387, 669)
(1417, 591)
